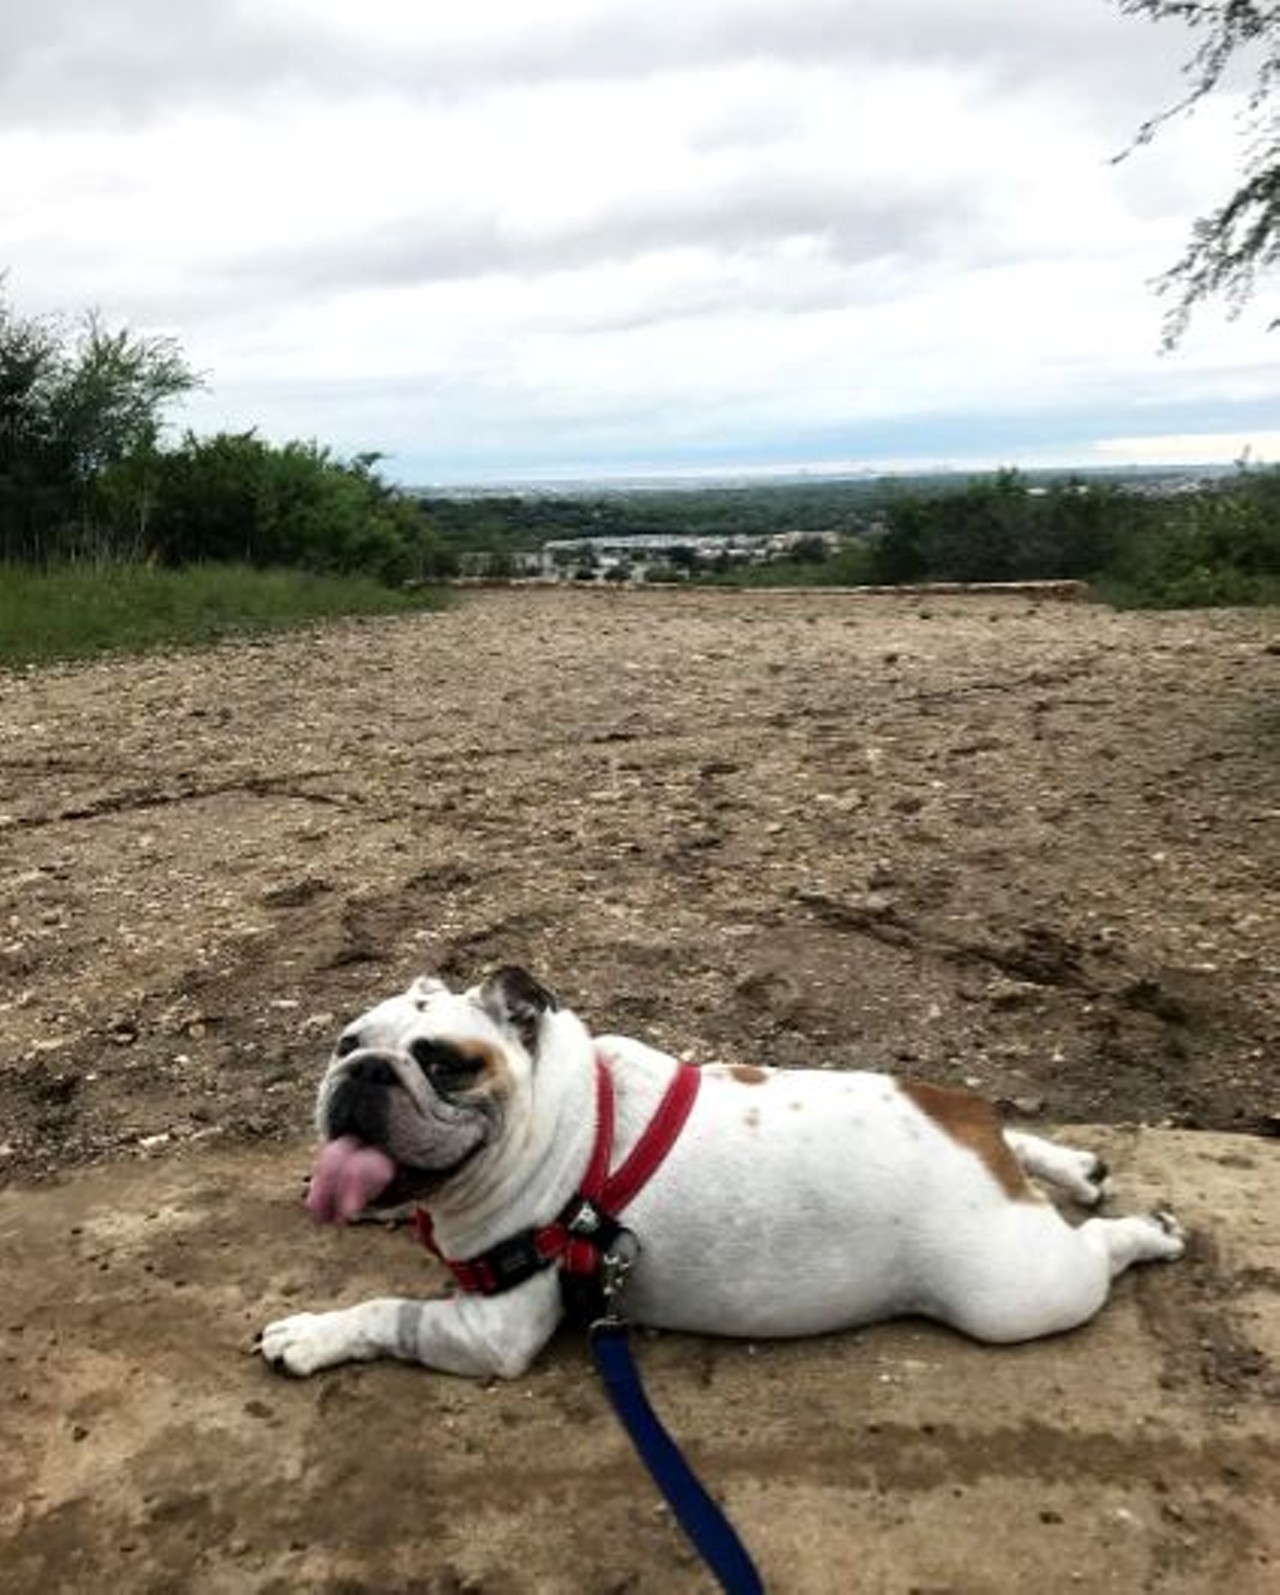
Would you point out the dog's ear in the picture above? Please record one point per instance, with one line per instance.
(424, 988)
(515, 998)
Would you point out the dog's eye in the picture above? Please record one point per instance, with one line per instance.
(448, 1068)
(347, 1044)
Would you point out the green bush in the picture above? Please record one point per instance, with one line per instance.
(235, 497)
(1217, 545)
(1208, 549)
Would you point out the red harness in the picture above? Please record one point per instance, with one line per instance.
(581, 1232)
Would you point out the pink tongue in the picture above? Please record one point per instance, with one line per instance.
(348, 1175)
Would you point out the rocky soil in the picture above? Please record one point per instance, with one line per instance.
(1031, 846)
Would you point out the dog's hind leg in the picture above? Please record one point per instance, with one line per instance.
(1035, 1274)
(1082, 1175)
(1142, 1238)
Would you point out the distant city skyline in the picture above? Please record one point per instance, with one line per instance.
(589, 239)
(1189, 453)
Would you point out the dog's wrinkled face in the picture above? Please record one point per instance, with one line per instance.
(429, 1078)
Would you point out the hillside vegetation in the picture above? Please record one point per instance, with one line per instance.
(1212, 543)
(86, 473)
(88, 478)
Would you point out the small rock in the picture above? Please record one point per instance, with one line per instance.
(1011, 993)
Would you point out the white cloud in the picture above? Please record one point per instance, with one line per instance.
(502, 233)
(1201, 448)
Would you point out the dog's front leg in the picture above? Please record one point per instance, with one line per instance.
(481, 1336)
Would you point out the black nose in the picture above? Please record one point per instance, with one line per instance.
(372, 1070)
(360, 1096)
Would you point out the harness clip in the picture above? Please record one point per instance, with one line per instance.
(584, 1220)
(615, 1265)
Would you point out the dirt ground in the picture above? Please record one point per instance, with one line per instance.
(1029, 846)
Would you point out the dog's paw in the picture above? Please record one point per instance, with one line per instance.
(1172, 1236)
(305, 1343)
(1095, 1180)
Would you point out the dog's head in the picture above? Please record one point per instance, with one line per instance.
(421, 1085)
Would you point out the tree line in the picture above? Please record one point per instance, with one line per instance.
(1215, 542)
(515, 522)
(86, 474)
(1218, 543)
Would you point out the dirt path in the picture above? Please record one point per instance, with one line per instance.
(1029, 846)
(145, 1449)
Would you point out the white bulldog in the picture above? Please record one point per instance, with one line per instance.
(791, 1201)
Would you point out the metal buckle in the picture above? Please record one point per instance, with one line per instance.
(615, 1265)
(585, 1220)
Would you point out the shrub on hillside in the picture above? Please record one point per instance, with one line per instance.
(235, 497)
(1217, 545)
(84, 472)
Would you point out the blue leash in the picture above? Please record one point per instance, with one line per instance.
(713, 1536)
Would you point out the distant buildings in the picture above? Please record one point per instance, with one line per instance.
(666, 556)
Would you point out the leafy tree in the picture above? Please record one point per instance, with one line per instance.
(1217, 545)
(1079, 527)
(1239, 239)
(1214, 547)
(980, 532)
(29, 359)
(900, 553)
(109, 395)
(75, 403)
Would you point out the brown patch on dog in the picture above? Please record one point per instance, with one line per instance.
(973, 1123)
(748, 1074)
(495, 1076)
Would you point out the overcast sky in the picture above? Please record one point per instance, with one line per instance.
(526, 238)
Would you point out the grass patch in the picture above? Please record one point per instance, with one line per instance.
(75, 611)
